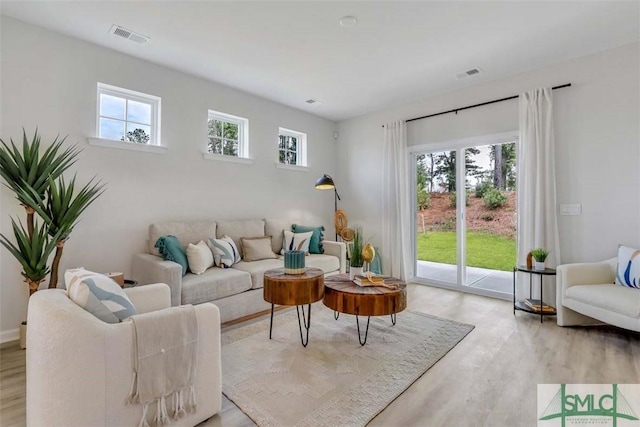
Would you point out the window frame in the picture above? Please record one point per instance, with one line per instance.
(301, 147)
(131, 95)
(243, 134)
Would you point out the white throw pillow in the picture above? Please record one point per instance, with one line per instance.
(293, 240)
(225, 251)
(628, 270)
(99, 295)
(200, 257)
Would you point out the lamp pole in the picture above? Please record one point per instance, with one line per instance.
(325, 182)
(337, 197)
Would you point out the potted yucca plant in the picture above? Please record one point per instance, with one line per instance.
(33, 177)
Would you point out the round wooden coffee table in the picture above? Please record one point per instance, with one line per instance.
(294, 289)
(344, 296)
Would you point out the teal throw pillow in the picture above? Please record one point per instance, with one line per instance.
(315, 245)
(171, 250)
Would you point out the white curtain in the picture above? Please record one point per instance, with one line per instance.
(396, 206)
(537, 220)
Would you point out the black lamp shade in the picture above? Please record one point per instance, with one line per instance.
(325, 182)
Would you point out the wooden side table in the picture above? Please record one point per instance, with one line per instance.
(521, 305)
(294, 289)
(344, 296)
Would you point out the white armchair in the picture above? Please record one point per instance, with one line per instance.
(587, 295)
(79, 369)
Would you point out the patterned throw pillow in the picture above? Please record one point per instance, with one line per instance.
(200, 257)
(171, 250)
(99, 295)
(315, 245)
(292, 242)
(225, 252)
(628, 271)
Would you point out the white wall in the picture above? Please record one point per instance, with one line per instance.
(597, 128)
(49, 80)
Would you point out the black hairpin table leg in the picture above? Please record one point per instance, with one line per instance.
(307, 323)
(336, 314)
(271, 323)
(393, 319)
(365, 333)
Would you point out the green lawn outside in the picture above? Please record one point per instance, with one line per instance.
(483, 249)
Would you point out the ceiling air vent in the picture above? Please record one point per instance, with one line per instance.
(469, 73)
(313, 102)
(119, 31)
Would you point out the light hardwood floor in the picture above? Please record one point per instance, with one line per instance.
(489, 379)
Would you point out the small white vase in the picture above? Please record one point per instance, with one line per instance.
(538, 266)
(354, 271)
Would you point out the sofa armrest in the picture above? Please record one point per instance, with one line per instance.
(337, 249)
(150, 297)
(152, 269)
(593, 273)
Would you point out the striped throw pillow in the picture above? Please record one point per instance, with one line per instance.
(225, 251)
(99, 295)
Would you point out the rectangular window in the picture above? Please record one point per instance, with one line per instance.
(228, 135)
(292, 147)
(126, 115)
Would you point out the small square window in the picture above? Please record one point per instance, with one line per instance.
(228, 135)
(129, 116)
(292, 147)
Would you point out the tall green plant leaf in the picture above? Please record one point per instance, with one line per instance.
(63, 206)
(32, 254)
(23, 169)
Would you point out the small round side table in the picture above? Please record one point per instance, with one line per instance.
(294, 289)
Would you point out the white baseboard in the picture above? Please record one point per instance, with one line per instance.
(10, 335)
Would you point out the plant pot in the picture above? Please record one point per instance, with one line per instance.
(354, 271)
(538, 266)
(23, 336)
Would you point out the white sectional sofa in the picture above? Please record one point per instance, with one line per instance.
(587, 294)
(237, 291)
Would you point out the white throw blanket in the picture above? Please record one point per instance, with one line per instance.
(166, 345)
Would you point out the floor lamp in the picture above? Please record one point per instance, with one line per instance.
(325, 182)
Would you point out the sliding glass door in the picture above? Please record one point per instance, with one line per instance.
(465, 222)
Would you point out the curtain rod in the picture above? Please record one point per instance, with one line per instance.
(455, 110)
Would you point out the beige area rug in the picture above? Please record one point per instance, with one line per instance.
(333, 381)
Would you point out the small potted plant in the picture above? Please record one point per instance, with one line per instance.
(539, 255)
(356, 261)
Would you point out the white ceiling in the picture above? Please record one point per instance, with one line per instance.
(398, 52)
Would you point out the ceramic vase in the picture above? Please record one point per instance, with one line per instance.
(355, 271)
(538, 266)
(294, 262)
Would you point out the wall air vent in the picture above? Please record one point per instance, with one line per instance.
(468, 73)
(119, 31)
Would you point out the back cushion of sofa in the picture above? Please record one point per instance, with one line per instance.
(275, 228)
(239, 229)
(186, 232)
